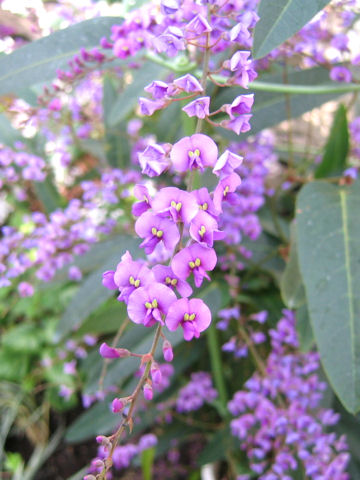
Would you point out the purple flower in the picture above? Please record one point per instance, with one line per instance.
(153, 160)
(193, 315)
(111, 352)
(197, 151)
(198, 108)
(148, 305)
(142, 194)
(227, 163)
(197, 392)
(204, 229)
(188, 84)
(179, 204)
(197, 26)
(25, 289)
(240, 105)
(131, 274)
(238, 124)
(170, 42)
(341, 74)
(157, 89)
(225, 189)
(154, 229)
(165, 275)
(148, 107)
(75, 273)
(204, 201)
(108, 280)
(195, 259)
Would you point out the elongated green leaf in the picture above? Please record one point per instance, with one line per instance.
(38, 61)
(291, 284)
(92, 293)
(147, 461)
(337, 147)
(48, 194)
(328, 236)
(280, 20)
(127, 100)
(304, 329)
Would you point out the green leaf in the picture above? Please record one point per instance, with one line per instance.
(304, 329)
(92, 293)
(270, 108)
(337, 147)
(48, 194)
(217, 447)
(23, 338)
(38, 61)
(280, 20)
(328, 236)
(128, 99)
(147, 461)
(291, 283)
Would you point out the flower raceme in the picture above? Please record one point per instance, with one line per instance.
(180, 225)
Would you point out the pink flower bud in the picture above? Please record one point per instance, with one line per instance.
(117, 405)
(102, 440)
(110, 352)
(167, 351)
(148, 392)
(89, 477)
(155, 373)
(97, 463)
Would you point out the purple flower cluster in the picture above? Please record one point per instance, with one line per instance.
(49, 243)
(197, 392)
(123, 455)
(279, 420)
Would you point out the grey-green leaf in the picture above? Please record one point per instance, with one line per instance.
(38, 61)
(291, 283)
(280, 20)
(92, 293)
(337, 146)
(128, 99)
(328, 237)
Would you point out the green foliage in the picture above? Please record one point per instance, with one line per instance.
(280, 20)
(337, 147)
(38, 61)
(128, 99)
(328, 234)
(147, 461)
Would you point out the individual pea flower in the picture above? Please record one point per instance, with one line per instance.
(148, 107)
(204, 201)
(118, 404)
(225, 190)
(25, 289)
(167, 351)
(75, 273)
(194, 259)
(188, 83)
(340, 74)
(154, 229)
(142, 194)
(238, 124)
(197, 26)
(198, 108)
(240, 105)
(179, 204)
(157, 89)
(204, 229)
(131, 274)
(164, 274)
(170, 41)
(227, 163)
(197, 151)
(153, 160)
(148, 305)
(108, 280)
(193, 316)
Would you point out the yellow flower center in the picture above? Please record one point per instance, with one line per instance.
(202, 231)
(189, 318)
(157, 233)
(226, 190)
(195, 153)
(204, 206)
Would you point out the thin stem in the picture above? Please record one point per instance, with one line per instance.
(204, 78)
(128, 420)
(289, 118)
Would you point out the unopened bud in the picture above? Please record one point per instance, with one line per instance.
(148, 392)
(97, 463)
(167, 351)
(155, 373)
(110, 352)
(117, 405)
(89, 477)
(102, 440)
